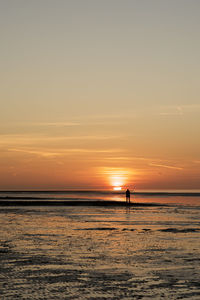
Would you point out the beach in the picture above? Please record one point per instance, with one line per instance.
(100, 150)
(101, 252)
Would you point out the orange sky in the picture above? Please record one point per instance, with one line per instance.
(100, 95)
(99, 153)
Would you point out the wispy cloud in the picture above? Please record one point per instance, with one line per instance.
(115, 174)
(45, 124)
(165, 166)
(61, 152)
(56, 124)
(172, 111)
(89, 120)
(114, 170)
(191, 107)
(35, 152)
(143, 161)
(179, 110)
(131, 158)
(28, 139)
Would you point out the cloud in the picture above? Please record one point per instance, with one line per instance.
(115, 174)
(191, 107)
(179, 110)
(29, 139)
(35, 152)
(131, 158)
(172, 111)
(55, 124)
(88, 120)
(165, 166)
(62, 152)
(45, 124)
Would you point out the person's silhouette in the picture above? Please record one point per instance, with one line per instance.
(128, 194)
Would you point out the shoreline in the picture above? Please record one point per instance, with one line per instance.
(76, 203)
(146, 194)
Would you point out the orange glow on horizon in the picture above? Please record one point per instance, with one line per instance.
(117, 188)
(117, 181)
(116, 178)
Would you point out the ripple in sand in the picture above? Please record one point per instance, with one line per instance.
(176, 230)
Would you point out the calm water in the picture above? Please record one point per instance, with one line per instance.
(100, 252)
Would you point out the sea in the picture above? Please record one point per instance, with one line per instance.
(64, 245)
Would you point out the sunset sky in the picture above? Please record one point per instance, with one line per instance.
(100, 94)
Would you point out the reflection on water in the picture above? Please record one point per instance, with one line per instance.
(100, 253)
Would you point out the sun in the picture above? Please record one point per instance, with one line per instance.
(117, 188)
(117, 178)
(117, 182)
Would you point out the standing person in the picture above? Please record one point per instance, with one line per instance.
(128, 194)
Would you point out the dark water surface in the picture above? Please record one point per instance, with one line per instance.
(81, 252)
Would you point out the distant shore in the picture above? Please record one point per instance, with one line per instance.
(101, 192)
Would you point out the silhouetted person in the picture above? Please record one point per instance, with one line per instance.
(128, 194)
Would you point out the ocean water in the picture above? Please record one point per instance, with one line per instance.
(97, 252)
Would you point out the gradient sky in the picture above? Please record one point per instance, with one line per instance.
(100, 93)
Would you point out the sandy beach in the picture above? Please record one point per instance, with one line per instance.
(101, 251)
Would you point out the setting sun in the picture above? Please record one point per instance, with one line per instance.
(117, 188)
(116, 177)
(105, 116)
(117, 181)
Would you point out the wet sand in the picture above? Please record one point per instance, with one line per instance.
(36, 202)
(92, 245)
(99, 252)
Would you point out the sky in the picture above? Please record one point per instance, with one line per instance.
(100, 94)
